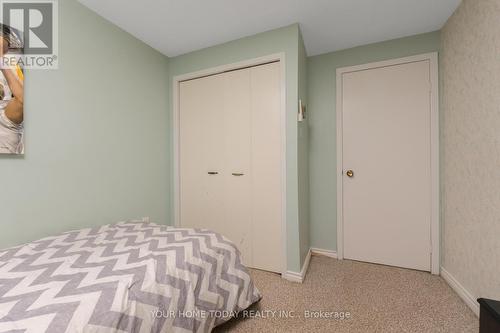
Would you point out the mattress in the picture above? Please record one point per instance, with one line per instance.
(131, 276)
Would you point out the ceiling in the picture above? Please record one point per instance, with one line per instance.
(175, 27)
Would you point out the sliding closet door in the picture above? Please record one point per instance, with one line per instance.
(266, 167)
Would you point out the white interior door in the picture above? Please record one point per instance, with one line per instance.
(202, 154)
(230, 176)
(387, 144)
(237, 175)
(266, 167)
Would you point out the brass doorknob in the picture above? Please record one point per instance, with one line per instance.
(350, 173)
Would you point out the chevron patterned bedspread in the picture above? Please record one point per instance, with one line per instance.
(126, 277)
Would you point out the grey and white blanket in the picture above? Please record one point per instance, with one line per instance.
(127, 277)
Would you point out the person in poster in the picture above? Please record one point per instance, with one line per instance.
(11, 95)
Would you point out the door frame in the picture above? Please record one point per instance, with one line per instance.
(434, 150)
(276, 57)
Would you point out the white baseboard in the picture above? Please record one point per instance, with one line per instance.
(464, 294)
(298, 277)
(326, 253)
(292, 276)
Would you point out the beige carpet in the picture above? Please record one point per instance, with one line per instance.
(378, 298)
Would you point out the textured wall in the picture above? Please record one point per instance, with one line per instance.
(96, 135)
(470, 92)
(322, 123)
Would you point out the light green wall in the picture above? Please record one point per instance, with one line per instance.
(284, 40)
(303, 158)
(322, 123)
(95, 135)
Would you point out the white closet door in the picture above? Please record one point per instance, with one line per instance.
(266, 166)
(201, 152)
(230, 124)
(237, 223)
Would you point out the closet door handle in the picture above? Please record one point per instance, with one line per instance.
(213, 173)
(238, 174)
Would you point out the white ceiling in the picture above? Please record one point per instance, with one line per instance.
(175, 27)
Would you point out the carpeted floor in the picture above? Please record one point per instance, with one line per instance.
(378, 299)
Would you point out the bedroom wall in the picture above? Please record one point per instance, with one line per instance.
(470, 91)
(284, 40)
(322, 123)
(303, 158)
(95, 135)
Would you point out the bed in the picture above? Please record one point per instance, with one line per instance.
(131, 276)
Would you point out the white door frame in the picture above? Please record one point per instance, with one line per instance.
(176, 117)
(434, 195)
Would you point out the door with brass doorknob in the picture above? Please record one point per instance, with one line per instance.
(386, 159)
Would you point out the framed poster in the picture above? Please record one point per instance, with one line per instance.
(11, 93)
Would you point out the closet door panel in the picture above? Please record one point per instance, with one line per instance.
(266, 166)
(201, 136)
(237, 178)
(230, 124)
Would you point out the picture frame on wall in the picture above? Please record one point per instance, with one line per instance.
(11, 93)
